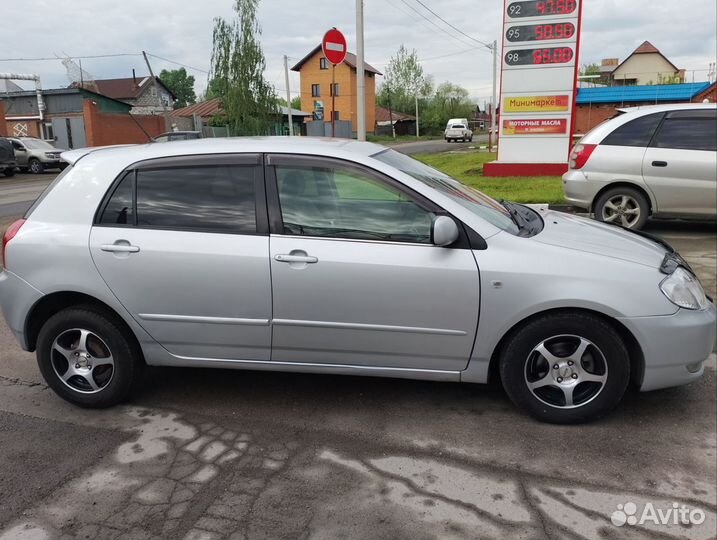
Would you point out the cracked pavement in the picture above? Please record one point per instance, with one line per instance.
(214, 454)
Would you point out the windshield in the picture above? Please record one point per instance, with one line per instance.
(37, 144)
(472, 199)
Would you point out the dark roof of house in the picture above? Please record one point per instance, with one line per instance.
(652, 93)
(62, 92)
(382, 115)
(647, 48)
(129, 88)
(350, 61)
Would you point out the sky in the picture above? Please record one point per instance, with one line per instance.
(181, 31)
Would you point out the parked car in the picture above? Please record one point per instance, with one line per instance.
(7, 158)
(36, 155)
(463, 121)
(340, 257)
(458, 131)
(178, 136)
(654, 161)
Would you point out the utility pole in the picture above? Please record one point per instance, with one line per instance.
(360, 81)
(493, 125)
(333, 99)
(416, 116)
(288, 95)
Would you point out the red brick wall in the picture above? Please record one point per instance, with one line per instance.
(103, 129)
(3, 124)
(710, 93)
(589, 116)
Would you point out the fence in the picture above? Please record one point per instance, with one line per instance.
(317, 128)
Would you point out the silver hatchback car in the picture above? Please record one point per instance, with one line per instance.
(658, 161)
(327, 256)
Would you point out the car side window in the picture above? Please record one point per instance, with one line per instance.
(207, 198)
(119, 209)
(341, 202)
(688, 131)
(637, 132)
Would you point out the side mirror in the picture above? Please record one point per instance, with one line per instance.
(445, 231)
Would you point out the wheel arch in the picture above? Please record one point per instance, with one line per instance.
(637, 358)
(625, 183)
(53, 303)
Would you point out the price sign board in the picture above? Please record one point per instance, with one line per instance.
(538, 78)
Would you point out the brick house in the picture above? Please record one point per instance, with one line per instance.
(595, 105)
(316, 75)
(146, 95)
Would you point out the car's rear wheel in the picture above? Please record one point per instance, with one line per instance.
(36, 166)
(623, 206)
(87, 358)
(565, 368)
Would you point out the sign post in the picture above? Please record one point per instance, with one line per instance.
(334, 48)
(538, 87)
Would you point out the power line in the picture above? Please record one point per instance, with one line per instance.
(39, 59)
(434, 24)
(454, 28)
(177, 63)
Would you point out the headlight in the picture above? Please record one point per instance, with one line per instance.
(684, 290)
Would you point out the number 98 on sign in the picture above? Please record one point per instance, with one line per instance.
(534, 57)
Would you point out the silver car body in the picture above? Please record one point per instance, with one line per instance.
(677, 182)
(364, 307)
(28, 148)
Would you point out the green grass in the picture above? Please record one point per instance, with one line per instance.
(468, 168)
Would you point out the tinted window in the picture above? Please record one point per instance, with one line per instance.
(637, 132)
(119, 209)
(343, 203)
(203, 198)
(688, 132)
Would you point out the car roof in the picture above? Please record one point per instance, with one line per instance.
(226, 145)
(598, 133)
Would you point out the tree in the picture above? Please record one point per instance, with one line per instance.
(181, 85)
(589, 69)
(404, 80)
(449, 101)
(237, 72)
(295, 102)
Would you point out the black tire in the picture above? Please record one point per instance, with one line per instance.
(518, 358)
(635, 199)
(9, 172)
(36, 166)
(470, 139)
(128, 362)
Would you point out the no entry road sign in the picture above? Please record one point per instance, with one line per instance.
(334, 46)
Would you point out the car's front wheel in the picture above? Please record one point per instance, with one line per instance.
(36, 166)
(565, 368)
(9, 172)
(87, 358)
(623, 206)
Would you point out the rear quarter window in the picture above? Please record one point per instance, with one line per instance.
(688, 130)
(637, 132)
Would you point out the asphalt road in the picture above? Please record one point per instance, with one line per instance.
(18, 193)
(438, 145)
(205, 454)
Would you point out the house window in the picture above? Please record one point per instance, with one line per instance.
(334, 89)
(336, 115)
(315, 90)
(153, 91)
(165, 100)
(323, 63)
(47, 132)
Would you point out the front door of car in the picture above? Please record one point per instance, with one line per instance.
(21, 154)
(355, 277)
(679, 165)
(183, 244)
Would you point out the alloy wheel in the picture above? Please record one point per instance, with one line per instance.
(566, 371)
(82, 360)
(621, 209)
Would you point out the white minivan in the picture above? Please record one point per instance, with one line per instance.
(658, 161)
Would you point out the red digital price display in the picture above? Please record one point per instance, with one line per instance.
(532, 57)
(540, 32)
(538, 8)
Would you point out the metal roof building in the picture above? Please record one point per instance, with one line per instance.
(641, 94)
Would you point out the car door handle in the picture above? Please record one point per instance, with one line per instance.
(659, 164)
(308, 259)
(119, 248)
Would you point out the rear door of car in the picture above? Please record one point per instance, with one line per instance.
(680, 165)
(183, 244)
